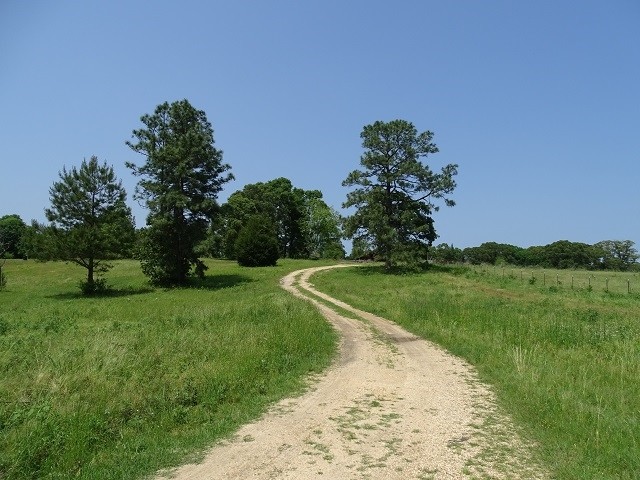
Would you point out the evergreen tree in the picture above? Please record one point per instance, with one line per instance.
(257, 243)
(90, 222)
(179, 181)
(395, 192)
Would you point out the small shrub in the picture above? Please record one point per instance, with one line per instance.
(257, 243)
(532, 281)
(98, 287)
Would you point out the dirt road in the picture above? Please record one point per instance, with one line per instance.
(393, 406)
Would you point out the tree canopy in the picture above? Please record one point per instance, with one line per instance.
(12, 229)
(90, 221)
(395, 194)
(257, 243)
(179, 182)
(617, 254)
(604, 255)
(305, 225)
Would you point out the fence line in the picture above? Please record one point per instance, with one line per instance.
(613, 282)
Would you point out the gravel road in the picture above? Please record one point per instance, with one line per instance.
(392, 406)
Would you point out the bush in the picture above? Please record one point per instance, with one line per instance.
(257, 243)
(98, 287)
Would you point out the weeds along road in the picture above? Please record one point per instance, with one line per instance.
(393, 406)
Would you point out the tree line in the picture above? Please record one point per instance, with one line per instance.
(605, 255)
(393, 196)
(180, 177)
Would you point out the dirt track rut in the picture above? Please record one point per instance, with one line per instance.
(393, 406)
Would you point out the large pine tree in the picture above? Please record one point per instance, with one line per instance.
(179, 181)
(396, 194)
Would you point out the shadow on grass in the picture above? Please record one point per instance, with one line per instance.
(404, 270)
(216, 282)
(109, 293)
(213, 282)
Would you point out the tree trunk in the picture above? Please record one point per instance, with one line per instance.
(90, 269)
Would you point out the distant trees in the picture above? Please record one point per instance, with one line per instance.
(494, 253)
(445, 253)
(305, 225)
(257, 243)
(566, 254)
(276, 200)
(90, 221)
(616, 254)
(179, 182)
(605, 255)
(322, 227)
(12, 229)
(395, 193)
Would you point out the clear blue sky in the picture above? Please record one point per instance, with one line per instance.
(538, 102)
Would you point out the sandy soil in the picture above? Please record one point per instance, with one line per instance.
(393, 406)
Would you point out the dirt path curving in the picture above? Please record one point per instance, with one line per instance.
(393, 406)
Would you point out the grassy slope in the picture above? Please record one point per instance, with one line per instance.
(118, 387)
(565, 363)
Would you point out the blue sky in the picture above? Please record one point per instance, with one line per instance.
(537, 102)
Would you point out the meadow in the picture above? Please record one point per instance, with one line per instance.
(591, 280)
(122, 385)
(564, 362)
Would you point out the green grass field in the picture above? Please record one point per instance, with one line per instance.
(123, 385)
(565, 363)
(567, 279)
(120, 386)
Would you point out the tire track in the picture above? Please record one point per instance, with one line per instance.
(392, 406)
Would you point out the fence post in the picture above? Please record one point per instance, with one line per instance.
(628, 286)
(606, 284)
(544, 278)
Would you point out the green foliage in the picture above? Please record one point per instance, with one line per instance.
(37, 242)
(617, 254)
(306, 226)
(121, 386)
(565, 254)
(322, 226)
(97, 287)
(156, 249)
(492, 252)
(90, 222)
(395, 192)
(257, 243)
(179, 182)
(606, 255)
(445, 253)
(361, 249)
(12, 229)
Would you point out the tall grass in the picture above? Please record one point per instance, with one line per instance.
(565, 363)
(122, 385)
(567, 279)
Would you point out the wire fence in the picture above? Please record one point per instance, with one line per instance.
(611, 282)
